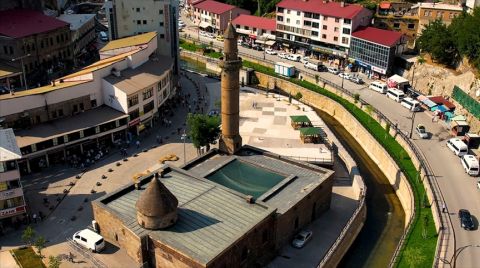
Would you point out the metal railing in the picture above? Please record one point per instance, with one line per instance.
(87, 255)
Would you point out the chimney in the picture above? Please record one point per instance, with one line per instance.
(249, 199)
(342, 4)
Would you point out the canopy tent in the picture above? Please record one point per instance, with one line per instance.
(430, 104)
(421, 98)
(442, 101)
(299, 121)
(204, 24)
(460, 128)
(310, 134)
(449, 116)
(270, 42)
(440, 108)
(459, 118)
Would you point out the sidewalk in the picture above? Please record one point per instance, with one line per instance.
(7, 260)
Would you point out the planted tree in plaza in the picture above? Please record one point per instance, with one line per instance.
(298, 96)
(54, 262)
(203, 130)
(40, 244)
(28, 235)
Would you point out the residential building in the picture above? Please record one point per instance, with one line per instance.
(260, 29)
(236, 226)
(428, 12)
(398, 16)
(82, 27)
(22, 4)
(93, 107)
(319, 27)
(42, 42)
(374, 50)
(471, 4)
(127, 18)
(214, 16)
(12, 202)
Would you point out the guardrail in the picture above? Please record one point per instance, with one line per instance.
(444, 233)
(85, 254)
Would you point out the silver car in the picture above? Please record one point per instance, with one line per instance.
(421, 131)
(302, 238)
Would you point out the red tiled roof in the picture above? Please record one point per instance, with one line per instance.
(385, 5)
(379, 36)
(442, 100)
(332, 9)
(22, 22)
(254, 21)
(214, 6)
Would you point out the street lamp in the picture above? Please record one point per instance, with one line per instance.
(184, 138)
(413, 121)
(453, 260)
(23, 68)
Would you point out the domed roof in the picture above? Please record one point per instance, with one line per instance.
(156, 200)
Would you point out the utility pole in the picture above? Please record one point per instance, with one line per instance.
(413, 121)
(23, 68)
(184, 138)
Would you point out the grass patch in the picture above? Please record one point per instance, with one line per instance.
(193, 47)
(28, 258)
(423, 218)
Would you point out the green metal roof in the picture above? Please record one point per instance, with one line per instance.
(300, 119)
(310, 131)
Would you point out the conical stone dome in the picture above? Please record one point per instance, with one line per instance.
(156, 206)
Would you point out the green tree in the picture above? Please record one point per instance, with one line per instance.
(298, 96)
(466, 35)
(28, 235)
(437, 40)
(54, 262)
(203, 129)
(40, 244)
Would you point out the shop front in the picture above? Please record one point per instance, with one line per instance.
(371, 71)
(333, 56)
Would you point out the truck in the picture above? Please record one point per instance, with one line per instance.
(284, 69)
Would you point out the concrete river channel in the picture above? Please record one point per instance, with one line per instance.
(384, 226)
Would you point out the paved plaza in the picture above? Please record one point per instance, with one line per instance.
(72, 211)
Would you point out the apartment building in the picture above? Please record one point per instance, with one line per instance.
(374, 50)
(82, 27)
(400, 17)
(92, 107)
(12, 202)
(428, 12)
(214, 16)
(260, 29)
(319, 27)
(127, 18)
(34, 42)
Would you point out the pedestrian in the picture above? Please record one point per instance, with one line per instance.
(444, 208)
(70, 257)
(433, 118)
(138, 144)
(34, 218)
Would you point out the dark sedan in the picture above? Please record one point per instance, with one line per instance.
(466, 220)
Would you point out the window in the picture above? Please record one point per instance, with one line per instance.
(244, 254)
(288, 20)
(344, 40)
(346, 31)
(297, 22)
(11, 50)
(324, 36)
(161, 24)
(324, 27)
(307, 23)
(247, 28)
(265, 236)
(298, 13)
(451, 15)
(315, 25)
(307, 15)
(337, 20)
(288, 11)
(81, 106)
(138, 9)
(58, 41)
(325, 17)
(280, 9)
(279, 18)
(139, 22)
(426, 13)
(296, 223)
(347, 21)
(162, 36)
(51, 41)
(132, 100)
(335, 38)
(314, 33)
(54, 114)
(439, 14)
(160, 11)
(148, 107)
(396, 25)
(147, 93)
(134, 114)
(60, 113)
(144, 22)
(316, 16)
(335, 29)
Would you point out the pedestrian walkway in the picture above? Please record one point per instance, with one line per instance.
(7, 260)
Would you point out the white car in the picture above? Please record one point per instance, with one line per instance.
(270, 51)
(203, 33)
(305, 60)
(294, 57)
(89, 240)
(333, 70)
(421, 131)
(344, 76)
(302, 238)
(210, 35)
(282, 55)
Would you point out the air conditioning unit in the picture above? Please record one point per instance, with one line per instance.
(116, 72)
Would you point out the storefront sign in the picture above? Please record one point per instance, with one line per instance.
(11, 211)
(379, 70)
(363, 64)
(327, 50)
(134, 122)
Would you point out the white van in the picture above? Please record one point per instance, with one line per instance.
(294, 57)
(314, 65)
(103, 36)
(457, 146)
(90, 240)
(378, 86)
(470, 164)
(395, 94)
(411, 104)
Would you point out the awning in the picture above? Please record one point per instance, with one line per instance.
(270, 42)
(300, 119)
(259, 41)
(440, 108)
(429, 103)
(204, 24)
(385, 5)
(310, 131)
(421, 98)
(459, 118)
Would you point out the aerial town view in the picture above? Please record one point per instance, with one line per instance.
(239, 133)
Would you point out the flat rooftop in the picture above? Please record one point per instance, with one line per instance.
(135, 40)
(210, 217)
(298, 178)
(133, 80)
(66, 125)
(8, 146)
(76, 20)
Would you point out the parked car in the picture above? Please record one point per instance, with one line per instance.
(305, 60)
(333, 70)
(270, 51)
(344, 76)
(282, 55)
(294, 57)
(465, 219)
(257, 47)
(356, 80)
(202, 33)
(89, 240)
(239, 42)
(210, 35)
(247, 45)
(219, 38)
(214, 112)
(302, 238)
(421, 131)
(470, 164)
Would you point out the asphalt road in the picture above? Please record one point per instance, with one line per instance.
(458, 189)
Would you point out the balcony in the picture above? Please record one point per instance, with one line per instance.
(7, 194)
(9, 175)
